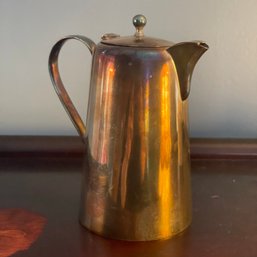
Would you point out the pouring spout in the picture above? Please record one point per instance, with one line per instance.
(185, 56)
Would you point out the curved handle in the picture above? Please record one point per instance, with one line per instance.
(58, 85)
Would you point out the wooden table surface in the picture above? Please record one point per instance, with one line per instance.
(39, 201)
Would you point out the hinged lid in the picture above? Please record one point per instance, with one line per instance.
(138, 40)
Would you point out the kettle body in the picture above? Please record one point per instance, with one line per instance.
(136, 177)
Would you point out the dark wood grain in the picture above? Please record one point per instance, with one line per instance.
(203, 148)
(224, 210)
(41, 146)
(72, 146)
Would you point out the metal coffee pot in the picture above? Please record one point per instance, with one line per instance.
(136, 182)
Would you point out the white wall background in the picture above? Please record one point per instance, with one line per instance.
(223, 100)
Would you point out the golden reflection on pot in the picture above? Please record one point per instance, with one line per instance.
(131, 190)
(136, 179)
(165, 153)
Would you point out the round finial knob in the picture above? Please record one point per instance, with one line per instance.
(139, 22)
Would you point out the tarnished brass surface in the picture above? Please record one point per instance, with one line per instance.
(57, 82)
(186, 55)
(136, 182)
(138, 39)
(137, 185)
